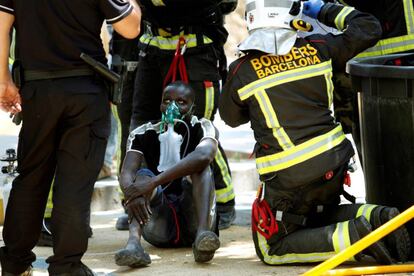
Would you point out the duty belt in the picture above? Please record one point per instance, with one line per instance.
(32, 75)
(171, 31)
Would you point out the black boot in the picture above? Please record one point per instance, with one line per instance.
(227, 215)
(122, 223)
(81, 270)
(398, 241)
(359, 228)
(28, 272)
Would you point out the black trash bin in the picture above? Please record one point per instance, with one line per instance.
(386, 111)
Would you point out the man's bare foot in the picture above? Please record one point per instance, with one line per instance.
(133, 255)
(204, 246)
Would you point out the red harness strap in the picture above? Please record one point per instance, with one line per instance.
(177, 63)
(263, 220)
(177, 224)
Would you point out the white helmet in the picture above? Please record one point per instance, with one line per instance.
(272, 13)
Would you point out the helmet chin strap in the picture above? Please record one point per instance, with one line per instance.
(300, 25)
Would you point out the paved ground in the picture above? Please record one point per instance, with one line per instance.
(236, 255)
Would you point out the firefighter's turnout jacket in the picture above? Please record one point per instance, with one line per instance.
(288, 101)
(397, 22)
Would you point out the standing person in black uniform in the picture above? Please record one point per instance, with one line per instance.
(172, 203)
(65, 112)
(199, 24)
(284, 88)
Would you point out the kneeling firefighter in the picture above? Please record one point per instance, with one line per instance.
(283, 86)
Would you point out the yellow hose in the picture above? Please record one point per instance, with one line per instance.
(367, 270)
(363, 243)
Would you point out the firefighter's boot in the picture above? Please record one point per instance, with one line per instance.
(359, 228)
(398, 241)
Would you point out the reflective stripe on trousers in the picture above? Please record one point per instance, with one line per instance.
(226, 194)
(366, 210)
(340, 238)
(290, 257)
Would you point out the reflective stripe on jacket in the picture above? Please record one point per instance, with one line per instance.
(397, 38)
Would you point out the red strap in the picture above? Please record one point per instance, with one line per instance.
(347, 179)
(177, 224)
(263, 220)
(177, 62)
(208, 84)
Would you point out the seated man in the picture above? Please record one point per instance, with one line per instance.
(283, 86)
(172, 203)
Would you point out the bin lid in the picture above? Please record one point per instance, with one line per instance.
(377, 66)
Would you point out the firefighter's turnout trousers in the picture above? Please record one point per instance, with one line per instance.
(321, 228)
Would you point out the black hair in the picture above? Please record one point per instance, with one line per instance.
(180, 85)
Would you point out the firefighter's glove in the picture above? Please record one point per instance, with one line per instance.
(312, 8)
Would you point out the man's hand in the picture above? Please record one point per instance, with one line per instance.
(142, 186)
(138, 195)
(139, 208)
(312, 8)
(9, 97)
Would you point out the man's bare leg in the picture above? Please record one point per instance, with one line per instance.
(206, 242)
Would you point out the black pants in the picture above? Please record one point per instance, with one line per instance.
(202, 68)
(64, 134)
(128, 51)
(174, 221)
(124, 110)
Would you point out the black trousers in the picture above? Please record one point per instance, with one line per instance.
(127, 50)
(174, 220)
(202, 68)
(64, 134)
(124, 110)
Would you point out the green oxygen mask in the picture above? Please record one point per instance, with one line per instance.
(172, 113)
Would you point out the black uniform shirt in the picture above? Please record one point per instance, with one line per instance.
(145, 139)
(51, 34)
